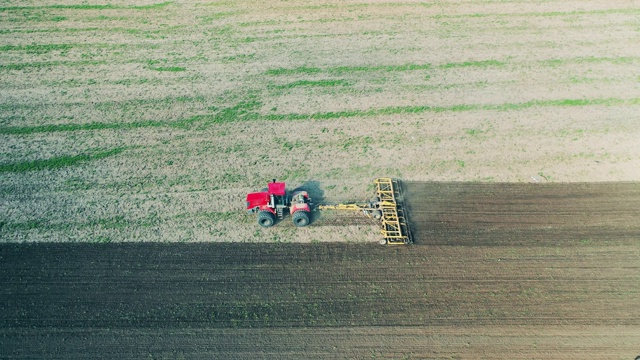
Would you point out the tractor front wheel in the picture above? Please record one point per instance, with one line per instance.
(266, 218)
(300, 218)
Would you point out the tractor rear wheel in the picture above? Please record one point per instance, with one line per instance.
(266, 218)
(300, 218)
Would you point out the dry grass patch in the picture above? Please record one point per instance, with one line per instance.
(195, 104)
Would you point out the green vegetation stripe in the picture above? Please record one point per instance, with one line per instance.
(244, 110)
(170, 68)
(462, 107)
(299, 70)
(22, 66)
(247, 110)
(34, 48)
(625, 11)
(339, 70)
(87, 29)
(590, 60)
(318, 83)
(57, 162)
(107, 105)
(86, 7)
(346, 69)
(483, 63)
(22, 130)
(360, 5)
(408, 67)
(543, 14)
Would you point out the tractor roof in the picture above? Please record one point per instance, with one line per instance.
(277, 188)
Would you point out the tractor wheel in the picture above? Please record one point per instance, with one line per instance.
(300, 218)
(265, 218)
(374, 200)
(377, 214)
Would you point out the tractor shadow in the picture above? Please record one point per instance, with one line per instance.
(314, 189)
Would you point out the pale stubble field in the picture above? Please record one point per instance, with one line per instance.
(151, 121)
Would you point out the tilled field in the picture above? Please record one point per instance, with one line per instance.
(532, 215)
(498, 271)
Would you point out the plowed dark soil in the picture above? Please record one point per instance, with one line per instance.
(481, 214)
(498, 271)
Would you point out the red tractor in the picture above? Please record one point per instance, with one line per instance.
(273, 201)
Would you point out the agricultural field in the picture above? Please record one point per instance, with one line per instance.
(131, 131)
(498, 271)
(150, 121)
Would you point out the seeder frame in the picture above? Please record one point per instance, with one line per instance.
(394, 222)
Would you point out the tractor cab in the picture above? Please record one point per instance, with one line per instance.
(277, 193)
(273, 199)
